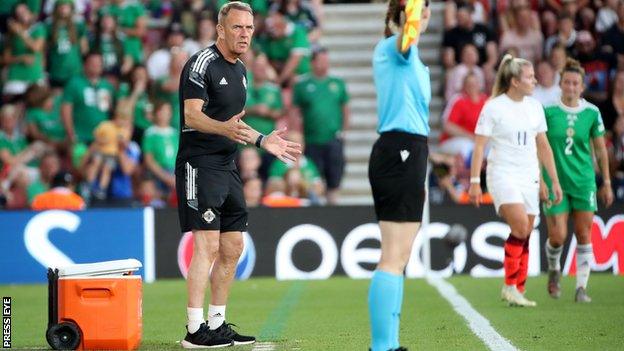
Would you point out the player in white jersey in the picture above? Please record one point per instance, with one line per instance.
(516, 125)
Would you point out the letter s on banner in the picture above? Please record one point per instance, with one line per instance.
(37, 241)
(284, 267)
(481, 247)
(351, 256)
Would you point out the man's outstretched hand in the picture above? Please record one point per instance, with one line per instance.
(276, 144)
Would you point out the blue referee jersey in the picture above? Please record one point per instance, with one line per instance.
(403, 89)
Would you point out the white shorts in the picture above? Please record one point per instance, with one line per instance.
(514, 191)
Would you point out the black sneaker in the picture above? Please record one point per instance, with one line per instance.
(225, 331)
(204, 338)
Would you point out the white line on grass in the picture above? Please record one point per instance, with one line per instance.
(477, 323)
(264, 346)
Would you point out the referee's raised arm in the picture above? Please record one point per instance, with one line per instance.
(396, 16)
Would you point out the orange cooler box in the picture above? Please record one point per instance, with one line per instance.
(95, 306)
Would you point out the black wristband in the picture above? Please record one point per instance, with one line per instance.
(259, 141)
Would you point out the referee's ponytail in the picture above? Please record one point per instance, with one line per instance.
(393, 17)
(510, 67)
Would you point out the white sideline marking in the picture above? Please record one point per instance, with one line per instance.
(264, 346)
(479, 325)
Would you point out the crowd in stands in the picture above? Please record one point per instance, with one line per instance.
(90, 101)
(90, 92)
(478, 33)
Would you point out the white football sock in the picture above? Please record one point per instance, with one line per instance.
(553, 256)
(195, 318)
(584, 258)
(216, 316)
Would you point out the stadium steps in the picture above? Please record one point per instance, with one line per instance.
(350, 32)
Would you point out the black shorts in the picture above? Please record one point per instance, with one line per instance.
(329, 159)
(210, 199)
(397, 172)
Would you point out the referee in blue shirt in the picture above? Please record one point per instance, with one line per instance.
(397, 168)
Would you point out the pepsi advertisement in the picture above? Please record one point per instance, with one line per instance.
(33, 241)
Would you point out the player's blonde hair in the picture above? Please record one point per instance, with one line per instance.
(510, 67)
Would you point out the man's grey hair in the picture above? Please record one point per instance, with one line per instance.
(228, 6)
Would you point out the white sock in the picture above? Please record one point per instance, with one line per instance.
(553, 256)
(584, 258)
(195, 318)
(216, 316)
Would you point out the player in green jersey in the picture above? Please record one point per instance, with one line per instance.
(574, 127)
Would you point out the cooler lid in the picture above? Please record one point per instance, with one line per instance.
(117, 267)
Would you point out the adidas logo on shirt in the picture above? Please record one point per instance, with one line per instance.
(223, 81)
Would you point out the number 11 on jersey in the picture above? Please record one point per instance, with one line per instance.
(522, 138)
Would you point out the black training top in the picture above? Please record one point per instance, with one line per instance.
(223, 87)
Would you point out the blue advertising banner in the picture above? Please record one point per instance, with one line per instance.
(30, 242)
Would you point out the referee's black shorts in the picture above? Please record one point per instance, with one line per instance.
(397, 172)
(210, 199)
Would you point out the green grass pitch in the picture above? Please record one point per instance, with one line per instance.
(332, 315)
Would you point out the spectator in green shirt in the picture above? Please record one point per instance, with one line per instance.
(23, 51)
(7, 7)
(6, 10)
(160, 147)
(267, 98)
(49, 166)
(137, 90)
(108, 43)
(43, 116)
(301, 14)
(322, 102)
(15, 151)
(132, 19)
(287, 47)
(264, 105)
(67, 42)
(167, 87)
(87, 101)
